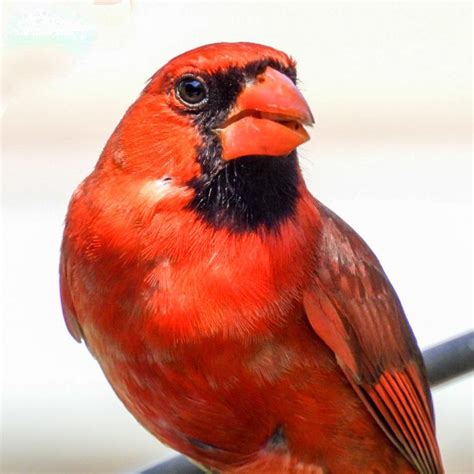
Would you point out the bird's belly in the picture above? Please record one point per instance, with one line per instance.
(276, 401)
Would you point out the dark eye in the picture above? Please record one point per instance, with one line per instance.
(191, 91)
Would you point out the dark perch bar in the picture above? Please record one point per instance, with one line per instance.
(176, 465)
(450, 359)
(444, 362)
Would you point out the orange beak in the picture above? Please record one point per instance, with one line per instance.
(267, 119)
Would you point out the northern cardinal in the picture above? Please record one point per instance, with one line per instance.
(239, 320)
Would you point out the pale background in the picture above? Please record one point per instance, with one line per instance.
(390, 87)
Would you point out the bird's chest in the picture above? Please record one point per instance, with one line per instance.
(170, 319)
(191, 283)
(233, 289)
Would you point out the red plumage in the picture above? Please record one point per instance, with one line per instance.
(238, 319)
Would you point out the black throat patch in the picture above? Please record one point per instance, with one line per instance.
(248, 193)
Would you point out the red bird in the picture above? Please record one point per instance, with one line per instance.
(238, 319)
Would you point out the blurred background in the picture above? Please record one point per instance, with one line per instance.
(390, 87)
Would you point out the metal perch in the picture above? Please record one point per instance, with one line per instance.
(444, 362)
(450, 359)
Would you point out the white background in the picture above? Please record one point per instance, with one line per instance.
(390, 87)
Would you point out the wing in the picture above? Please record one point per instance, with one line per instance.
(354, 309)
(67, 304)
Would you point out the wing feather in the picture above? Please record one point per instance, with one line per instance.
(352, 306)
(67, 304)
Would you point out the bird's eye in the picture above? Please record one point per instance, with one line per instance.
(191, 91)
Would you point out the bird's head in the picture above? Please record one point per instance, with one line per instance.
(211, 112)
